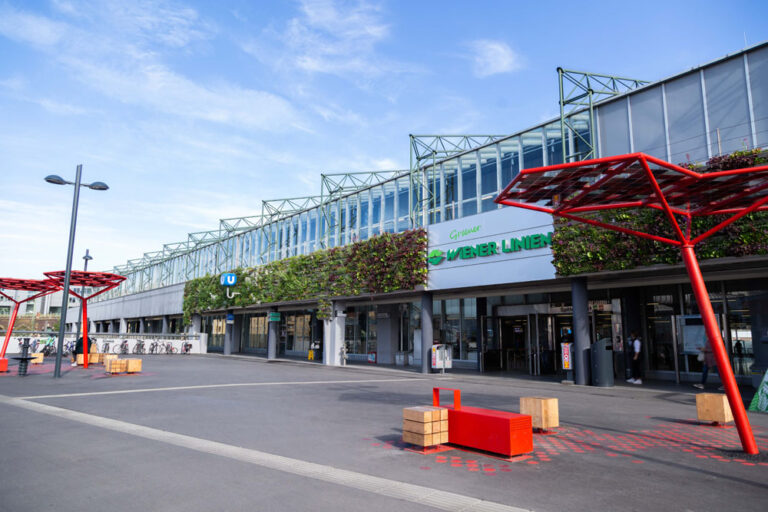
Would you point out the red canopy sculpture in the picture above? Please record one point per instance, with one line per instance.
(638, 180)
(102, 280)
(43, 287)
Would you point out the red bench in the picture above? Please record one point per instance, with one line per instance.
(502, 432)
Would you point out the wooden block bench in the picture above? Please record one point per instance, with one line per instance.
(544, 412)
(713, 408)
(425, 425)
(133, 365)
(489, 430)
(37, 358)
(115, 366)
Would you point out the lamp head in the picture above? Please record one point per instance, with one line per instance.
(98, 185)
(56, 180)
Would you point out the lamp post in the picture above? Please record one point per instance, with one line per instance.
(87, 258)
(96, 185)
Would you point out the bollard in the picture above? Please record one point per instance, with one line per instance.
(24, 360)
(344, 354)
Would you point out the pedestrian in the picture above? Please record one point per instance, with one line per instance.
(635, 346)
(707, 358)
(78, 350)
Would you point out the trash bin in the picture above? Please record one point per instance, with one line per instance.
(601, 354)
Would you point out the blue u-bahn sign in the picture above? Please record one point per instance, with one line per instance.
(228, 279)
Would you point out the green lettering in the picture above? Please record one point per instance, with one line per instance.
(505, 247)
(492, 248)
(482, 249)
(535, 241)
(453, 254)
(547, 239)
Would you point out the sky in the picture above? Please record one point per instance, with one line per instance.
(195, 111)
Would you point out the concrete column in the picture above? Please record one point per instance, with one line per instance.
(165, 325)
(580, 301)
(141, 325)
(426, 332)
(333, 335)
(197, 324)
(123, 326)
(229, 329)
(388, 331)
(237, 331)
(272, 335)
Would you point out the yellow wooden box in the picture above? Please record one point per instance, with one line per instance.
(544, 412)
(37, 358)
(133, 365)
(713, 407)
(115, 366)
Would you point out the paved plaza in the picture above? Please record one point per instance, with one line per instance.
(204, 433)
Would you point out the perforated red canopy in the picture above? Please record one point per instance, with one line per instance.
(89, 279)
(29, 285)
(639, 180)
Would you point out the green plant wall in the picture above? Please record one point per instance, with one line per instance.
(385, 263)
(580, 248)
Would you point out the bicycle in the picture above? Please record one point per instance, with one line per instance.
(154, 347)
(122, 348)
(105, 348)
(186, 347)
(170, 349)
(138, 348)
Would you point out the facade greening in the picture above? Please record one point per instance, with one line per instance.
(514, 323)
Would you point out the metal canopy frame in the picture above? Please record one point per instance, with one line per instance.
(637, 180)
(104, 280)
(41, 286)
(580, 90)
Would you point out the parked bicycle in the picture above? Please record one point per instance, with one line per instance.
(186, 347)
(69, 348)
(138, 348)
(49, 348)
(154, 347)
(122, 348)
(170, 349)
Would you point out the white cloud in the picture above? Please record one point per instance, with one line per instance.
(28, 28)
(493, 57)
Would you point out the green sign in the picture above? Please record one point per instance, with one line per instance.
(760, 400)
(482, 250)
(274, 316)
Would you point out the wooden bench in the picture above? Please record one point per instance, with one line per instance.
(713, 408)
(489, 430)
(37, 358)
(425, 425)
(544, 412)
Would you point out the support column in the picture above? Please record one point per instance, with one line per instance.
(142, 321)
(333, 335)
(580, 302)
(426, 332)
(123, 326)
(196, 326)
(164, 329)
(272, 334)
(388, 332)
(229, 328)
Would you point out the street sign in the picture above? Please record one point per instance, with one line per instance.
(228, 279)
(274, 316)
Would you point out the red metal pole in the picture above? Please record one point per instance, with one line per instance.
(9, 330)
(86, 348)
(716, 341)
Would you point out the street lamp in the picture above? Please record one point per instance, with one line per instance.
(87, 258)
(96, 185)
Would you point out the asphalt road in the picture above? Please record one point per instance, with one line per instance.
(204, 433)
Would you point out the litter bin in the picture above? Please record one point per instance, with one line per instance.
(601, 354)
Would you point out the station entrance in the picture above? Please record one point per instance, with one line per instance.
(527, 339)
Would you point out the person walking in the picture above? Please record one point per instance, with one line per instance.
(708, 361)
(635, 347)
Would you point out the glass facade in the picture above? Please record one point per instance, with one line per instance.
(215, 326)
(360, 333)
(253, 337)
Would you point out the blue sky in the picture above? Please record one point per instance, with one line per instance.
(196, 111)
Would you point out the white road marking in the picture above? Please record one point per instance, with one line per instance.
(209, 386)
(435, 498)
